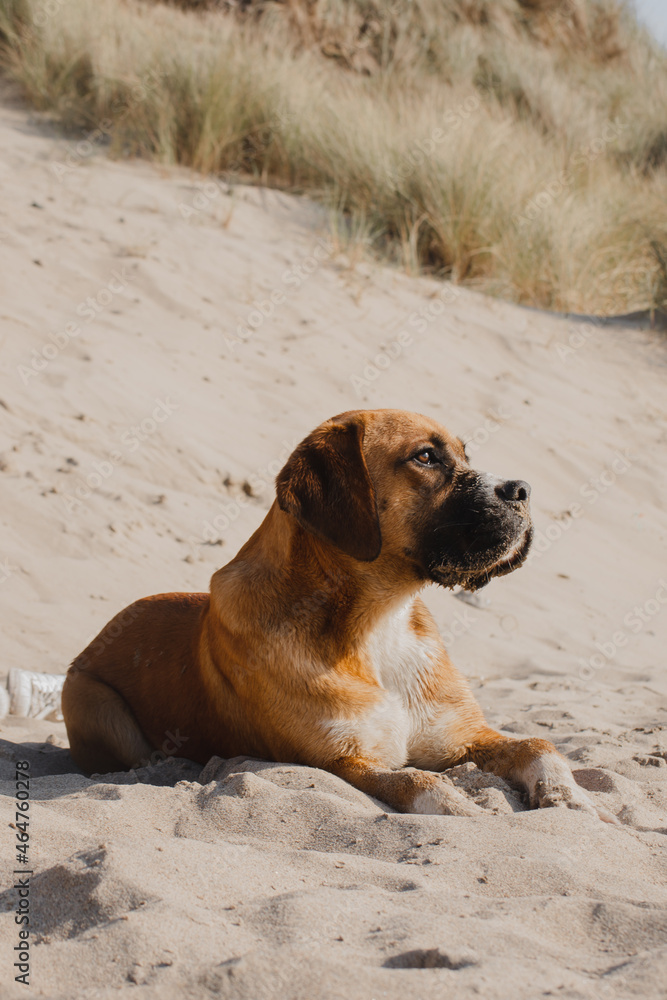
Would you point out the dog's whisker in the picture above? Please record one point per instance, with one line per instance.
(453, 524)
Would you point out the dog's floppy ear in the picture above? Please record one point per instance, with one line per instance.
(326, 486)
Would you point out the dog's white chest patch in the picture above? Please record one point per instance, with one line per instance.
(401, 724)
(381, 733)
(405, 663)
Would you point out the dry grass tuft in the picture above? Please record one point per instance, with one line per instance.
(518, 146)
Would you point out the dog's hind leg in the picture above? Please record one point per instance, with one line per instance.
(103, 733)
(408, 790)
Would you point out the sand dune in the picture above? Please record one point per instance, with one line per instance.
(166, 341)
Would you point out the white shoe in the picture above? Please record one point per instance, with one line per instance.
(35, 696)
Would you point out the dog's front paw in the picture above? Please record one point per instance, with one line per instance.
(546, 794)
(444, 799)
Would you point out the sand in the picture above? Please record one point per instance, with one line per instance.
(146, 404)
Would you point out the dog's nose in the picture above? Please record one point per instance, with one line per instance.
(514, 490)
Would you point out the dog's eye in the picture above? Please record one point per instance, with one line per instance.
(426, 457)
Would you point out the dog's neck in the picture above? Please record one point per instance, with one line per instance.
(327, 590)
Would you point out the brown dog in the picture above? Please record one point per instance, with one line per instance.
(313, 646)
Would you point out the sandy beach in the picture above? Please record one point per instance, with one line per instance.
(166, 342)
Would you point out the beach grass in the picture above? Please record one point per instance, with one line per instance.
(515, 146)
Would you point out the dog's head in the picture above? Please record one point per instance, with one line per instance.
(396, 487)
